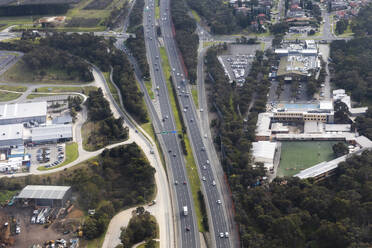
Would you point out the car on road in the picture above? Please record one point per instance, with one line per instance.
(221, 235)
(205, 136)
(204, 167)
(219, 202)
(207, 161)
(226, 234)
(174, 155)
(201, 110)
(187, 228)
(184, 182)
(214, 183)
(176, 182)
(203, 178)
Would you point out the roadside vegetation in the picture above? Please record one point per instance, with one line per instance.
(62, 89)
(8, 96)
(142, 227)
(137, 44)
(102, 128)
(116, 179)
(192, 170)
(186, 37)
(13, 88)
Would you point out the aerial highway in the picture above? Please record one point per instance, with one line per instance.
(187, 226)
(219, 224)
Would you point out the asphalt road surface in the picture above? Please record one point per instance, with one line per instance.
(187, 225)
(217, 212)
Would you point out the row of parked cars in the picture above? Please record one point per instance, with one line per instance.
(60, 157)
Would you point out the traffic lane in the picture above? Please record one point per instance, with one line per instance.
(164, 105)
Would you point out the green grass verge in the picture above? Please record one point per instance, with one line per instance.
(71, 154)
(8, 96)
(149, 89)
(157, 245)
(211, 43)
(157, 10)
(13, 88)
(194, 92)
(84, 90)
(148, 129)
(33, 95)
(9, 21)
(196, 15)
(191, 168)
(112, 88)
(299, 155)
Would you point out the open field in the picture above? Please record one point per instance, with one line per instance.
(299, 155)
(71, 153)
(21, 73)
(84, 90)
(191, 168)
(8, 96)
(13, 88)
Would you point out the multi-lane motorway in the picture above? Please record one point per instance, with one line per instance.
(187, 225)
(219, 228)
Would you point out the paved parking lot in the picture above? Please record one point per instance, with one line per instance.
(53, 153)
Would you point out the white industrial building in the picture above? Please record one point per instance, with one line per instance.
(51, 133)
(11, 135)
(23, 112)
(264, 152)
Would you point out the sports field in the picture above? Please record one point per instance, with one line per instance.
(298, 155)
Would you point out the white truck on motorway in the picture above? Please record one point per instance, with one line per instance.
(185, 212)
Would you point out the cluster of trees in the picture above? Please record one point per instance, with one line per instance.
(103, 53)
(110, 130)
(364, 124)
(34, 9)
(118, 178)
(352, 63)
(135, 18)
(186, 37)
(279, 28)
(142, 227)
(43, 58)
(340, 149)
(361, 24)
(341, 26)
(218, 15)
(138, 47)
(299, 213)
(74, 105)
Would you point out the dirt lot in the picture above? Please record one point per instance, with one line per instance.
(36, 233)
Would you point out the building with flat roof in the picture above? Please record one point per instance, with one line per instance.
(263, 131)
(46, 195)
(264, 152)
(11, 135)
(23, 112)
(51, 133)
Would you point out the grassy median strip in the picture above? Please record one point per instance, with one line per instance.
(194, 92)
(149, 89)
(192, 171)
(157, 10)
(112, 88)
(8, 96)
(71, 153)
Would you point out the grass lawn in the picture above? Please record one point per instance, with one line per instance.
(21, 73)
(196, 15)
(84, 90)
(13, 88)
(9, 20)
(157, 10)
(148, 129)
(71, 153)
(149, 89)
(299, 155)
(33, 96)
(192, 171)
(8, 96)
(194, 92)
(211, 43)
(157, 245)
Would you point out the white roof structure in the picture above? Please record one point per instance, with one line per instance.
(313, 127)
(10, 132)
(326, 105)
(363, 141)
(358, 111)
(337, 127)
(263, 124)
(51, 132)
(43, 192)
(264, 151)
(23, 110)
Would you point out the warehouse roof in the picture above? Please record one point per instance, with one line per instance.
(43, 192)
(51, 132)
(23, 110)
(10, 132)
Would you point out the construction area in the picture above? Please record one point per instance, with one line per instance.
(41, 216)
